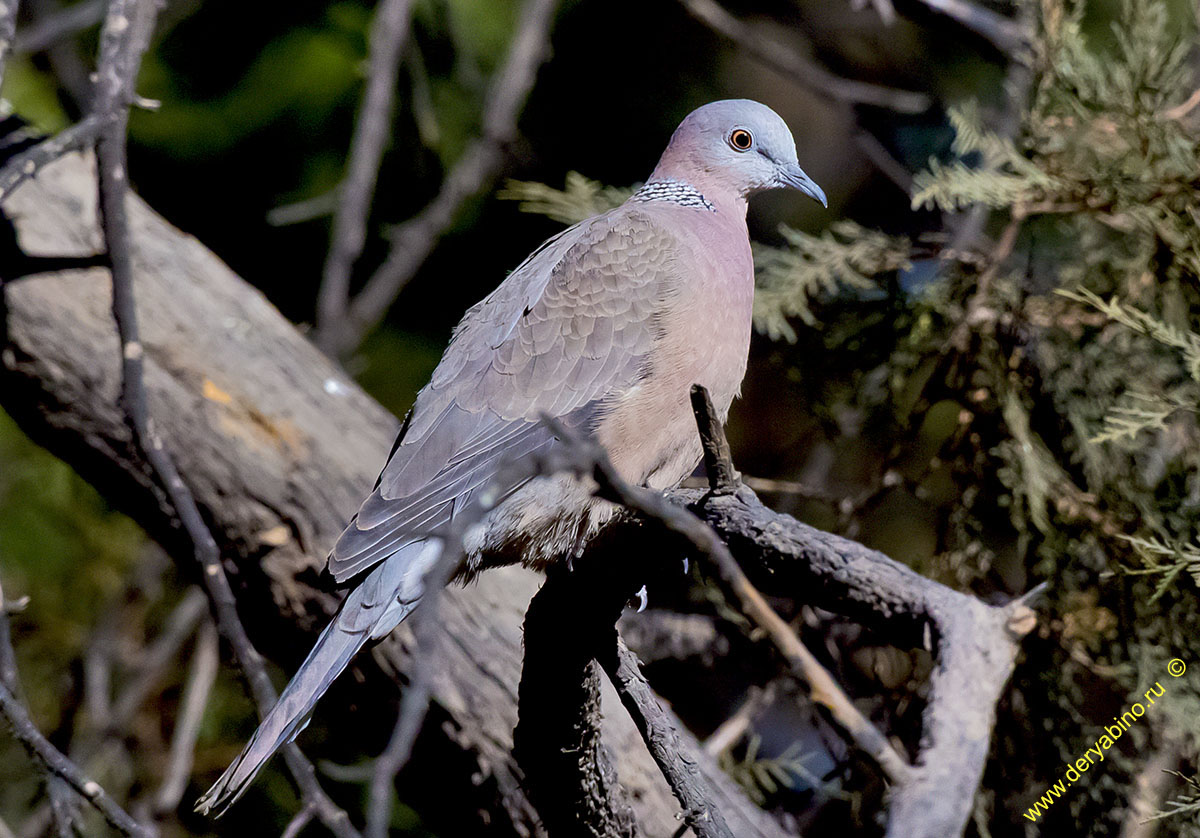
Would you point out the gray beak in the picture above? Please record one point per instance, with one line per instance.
(790, 174)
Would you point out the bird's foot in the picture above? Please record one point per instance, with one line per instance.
(643, 598)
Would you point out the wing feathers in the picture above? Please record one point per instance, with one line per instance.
(564, 334)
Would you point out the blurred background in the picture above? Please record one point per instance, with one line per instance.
(918, 381)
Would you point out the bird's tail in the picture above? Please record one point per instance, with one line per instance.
(380, 603)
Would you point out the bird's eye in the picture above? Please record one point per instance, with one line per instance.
(741, 139)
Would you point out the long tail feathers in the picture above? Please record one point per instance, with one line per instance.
(374, 608)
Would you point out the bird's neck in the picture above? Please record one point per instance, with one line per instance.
(679, 182)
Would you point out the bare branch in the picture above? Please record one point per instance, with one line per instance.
(1008, 36)
(718, 462)
(59, 766)
(55, 764)
(8, 28)
(699, 811)
(157, 658)
(976, 644)
(202, 674)
(49, 30)
(123, 39)
(415, 702)
(26, 164)
(557, 742)
(8, 660)
(731, 731)
(389, 31)
(414, 240)
(680, 521)
(804, 71)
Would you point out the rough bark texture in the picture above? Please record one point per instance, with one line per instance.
(975, 644)
(278, 447)
(558, 742)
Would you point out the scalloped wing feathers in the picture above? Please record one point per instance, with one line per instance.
(565, 334)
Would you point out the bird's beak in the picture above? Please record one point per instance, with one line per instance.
(790, 174)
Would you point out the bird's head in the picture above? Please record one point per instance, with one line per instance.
(736, 145)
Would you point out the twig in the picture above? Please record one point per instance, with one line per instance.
(389, 31)
(718, 462)
(119, 57)
(48, 30)
(803, 70)
(1183, 108)
(70, 70)
(414, 703)
(19, 266)
(823, 689)
(662, 739)
(202, 674)
(157, 658)
(878, 154)
(26, 164)
(731, 731)
(8, 659)
(414, 240)
(8, 27)
(1008, 36)
(57, 764)
(300, 820)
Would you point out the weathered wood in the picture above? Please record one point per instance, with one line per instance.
(278, 447)
(975, 644)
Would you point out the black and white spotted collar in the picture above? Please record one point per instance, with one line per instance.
(674, 191)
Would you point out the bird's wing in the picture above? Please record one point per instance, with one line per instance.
(571, 328)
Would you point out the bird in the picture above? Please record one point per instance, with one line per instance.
(605, 327)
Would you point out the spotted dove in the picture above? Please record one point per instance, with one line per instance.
(605, 326)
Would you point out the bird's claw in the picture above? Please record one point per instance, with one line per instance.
(685, 565)
(643, 597)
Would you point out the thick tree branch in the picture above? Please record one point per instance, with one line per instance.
(568, 771)
(976, 644)
(701, 811)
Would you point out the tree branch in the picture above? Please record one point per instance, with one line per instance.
(1008, 36)
(389, 31)
(123, 39)
(8, 29)
(56, 766)
(202, 674)
(804, 71)
(414, 240)
(700, 811)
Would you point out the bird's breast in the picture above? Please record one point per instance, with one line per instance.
(704, 338)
